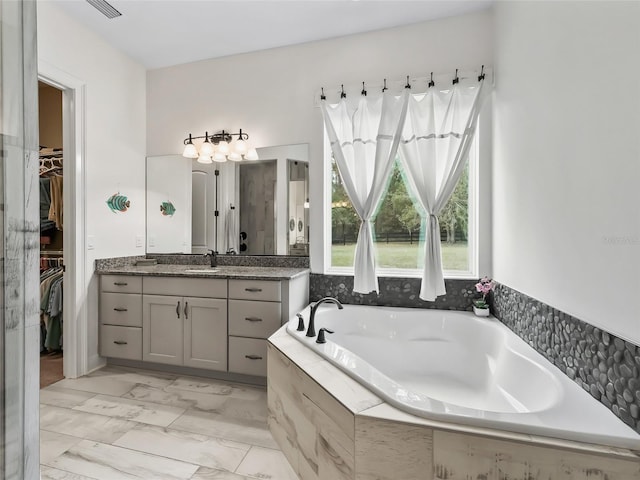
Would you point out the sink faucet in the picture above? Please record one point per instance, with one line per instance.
(311, 331)
(213, 257)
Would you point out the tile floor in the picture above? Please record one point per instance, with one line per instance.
(120, 424)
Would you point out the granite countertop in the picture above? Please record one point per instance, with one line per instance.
(204, 271)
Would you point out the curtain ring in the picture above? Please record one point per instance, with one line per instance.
(322, 95)
(481, 77)
(431, 82)
(342, 94)
(384, 89)
(456, 79)
(363, 92)
(408, 85)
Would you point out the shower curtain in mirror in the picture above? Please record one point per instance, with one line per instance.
(434, 147)
(364, 141)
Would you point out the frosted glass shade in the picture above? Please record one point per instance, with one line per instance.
(235, 157)
(219, 157)
(204, 159)
(252, 154)
(206, 149)
(240, 147)
(190, 151)
(223, 147)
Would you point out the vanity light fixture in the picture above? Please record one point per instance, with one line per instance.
(220, 147)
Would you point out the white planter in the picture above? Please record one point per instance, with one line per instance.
(481, 312)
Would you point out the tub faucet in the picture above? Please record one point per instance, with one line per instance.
(311, 331)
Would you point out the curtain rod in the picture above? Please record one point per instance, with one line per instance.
(427, 81)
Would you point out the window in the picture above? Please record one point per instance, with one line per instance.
(399, 226)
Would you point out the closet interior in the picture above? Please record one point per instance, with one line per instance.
(51, 238)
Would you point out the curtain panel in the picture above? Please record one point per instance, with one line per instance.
(431, 133)
(364, 141)
(437, 133)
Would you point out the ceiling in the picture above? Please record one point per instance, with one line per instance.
(160, 33)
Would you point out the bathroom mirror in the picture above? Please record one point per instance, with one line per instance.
(182, 196)
(298, 225)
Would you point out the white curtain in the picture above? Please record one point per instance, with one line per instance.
(364, 142)
(435, 142)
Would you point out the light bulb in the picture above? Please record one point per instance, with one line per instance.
(235, 157)
(252, 154)
(204, 159)
(219, 157)
(223, 147)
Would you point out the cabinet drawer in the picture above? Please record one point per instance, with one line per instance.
(121, 309)
(248, 356)
(121, 342)
(121, 284)
(266, 290)
(187, 287)
(253, 319)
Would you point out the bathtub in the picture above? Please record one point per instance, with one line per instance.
(455, 367)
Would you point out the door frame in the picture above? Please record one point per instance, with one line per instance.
(76, 358)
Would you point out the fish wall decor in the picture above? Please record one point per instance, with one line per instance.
(167, 209)
(118, 203)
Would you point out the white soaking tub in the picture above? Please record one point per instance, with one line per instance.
(455, 367)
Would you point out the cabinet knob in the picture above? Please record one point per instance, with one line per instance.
(253, 319)
(119, 342)
(253, 357)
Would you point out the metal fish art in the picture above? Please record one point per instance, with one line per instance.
(167, 209)
(118, 203)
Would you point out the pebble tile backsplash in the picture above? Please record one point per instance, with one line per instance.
(604, 365)
(394, 292)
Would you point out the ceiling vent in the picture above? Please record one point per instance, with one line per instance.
(105, 8)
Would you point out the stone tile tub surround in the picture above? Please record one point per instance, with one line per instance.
(604, 365)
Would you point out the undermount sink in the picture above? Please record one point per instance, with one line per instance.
(202, 270)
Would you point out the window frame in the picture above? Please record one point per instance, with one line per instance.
(473, 232)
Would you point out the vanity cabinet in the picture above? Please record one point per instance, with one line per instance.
(185, 330)
(121, 317)
(216, 324)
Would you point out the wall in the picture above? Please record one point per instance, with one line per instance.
(566, 158)
(50, 116)
(115, 139)
(272, 94)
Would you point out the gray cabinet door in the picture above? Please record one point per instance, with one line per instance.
(162, 327)
(205, 333)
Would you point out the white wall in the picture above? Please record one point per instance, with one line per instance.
(567, 158)
(115, 139)
(272, 94)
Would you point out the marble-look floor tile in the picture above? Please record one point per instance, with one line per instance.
(83, 425)
(106, 462)
(185, 446)
(106, 385)
(248, 409)
(63, 397)
(200, 385)
(220, 426)
(48, 473)
(266, 463)
(205, 473)
(54, 444)
(178, 398)
(141, 377)
(143, 412)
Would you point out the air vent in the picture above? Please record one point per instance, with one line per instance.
(105, 8)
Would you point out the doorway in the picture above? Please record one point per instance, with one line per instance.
(51, 265)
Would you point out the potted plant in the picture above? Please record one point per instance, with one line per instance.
(481, 307)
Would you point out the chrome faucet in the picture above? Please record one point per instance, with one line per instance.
(311, 331)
